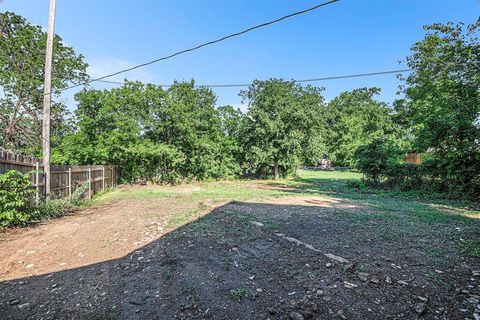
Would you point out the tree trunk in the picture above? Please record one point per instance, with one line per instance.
(277, 173)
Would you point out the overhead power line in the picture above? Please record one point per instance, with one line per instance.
(238, 85)
(206, 43)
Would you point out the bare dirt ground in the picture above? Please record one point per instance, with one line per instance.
(285, 257)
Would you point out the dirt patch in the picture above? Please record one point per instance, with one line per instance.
(284, 258)
(101, 233)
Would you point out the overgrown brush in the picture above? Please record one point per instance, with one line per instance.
(51, 208)
(15, 188)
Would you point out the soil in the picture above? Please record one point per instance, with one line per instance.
(286, 258)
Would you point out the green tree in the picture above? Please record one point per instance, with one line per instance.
(281, 128)
(442, 104)
(22, 58)
(355, 118)
(376, 157)
(161, 135)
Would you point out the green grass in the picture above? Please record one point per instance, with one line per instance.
(399, 212)
(238, 294)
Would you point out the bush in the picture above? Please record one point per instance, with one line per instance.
(14, 190)
(404, 176)
(375, 158)
(57, 207)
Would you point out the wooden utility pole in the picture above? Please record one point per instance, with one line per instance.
(47, 97)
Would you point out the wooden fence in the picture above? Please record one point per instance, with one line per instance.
(64, 179)
(414, 158)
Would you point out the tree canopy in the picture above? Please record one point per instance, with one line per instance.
(282, 128)
(353, 119)
(22, 58)
(442, 104)
(165, 135)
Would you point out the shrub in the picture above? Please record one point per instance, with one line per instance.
(375, 158)
(14, 190)
(57, 207)
(405, 176)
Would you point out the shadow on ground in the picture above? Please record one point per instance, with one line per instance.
(223, 266)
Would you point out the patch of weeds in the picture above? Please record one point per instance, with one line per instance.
(227, 258)
(470, 247)
(436, 252)
(272, 225)
(57, 207)
(150, 214)
(188, 288)
(435, 277)
(168, 275)
(238, 294)
(187, 216)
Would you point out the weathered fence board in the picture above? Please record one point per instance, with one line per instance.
(64, 179)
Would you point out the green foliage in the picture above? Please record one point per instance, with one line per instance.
(53, 208)
(442, 105)
(282, 127)
(151, 133)
(22, 58)
(375, 158)
(238, 294)
(405, 176)
(14, 190)
(353, 119)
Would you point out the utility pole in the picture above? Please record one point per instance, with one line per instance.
(47, 97)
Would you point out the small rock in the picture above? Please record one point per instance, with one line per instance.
(252, 277)
(476, 273)
(14, 302)
(349, 267)
(259, 290)
(29, 266)
(403, 283)
(336, 258)
(272, 310)
(296, 316)
(420, 308)
(256, 223)
(439, 271)
(341, 315)
(423, 299)
(349, 285)
(375, 280)
(328, 265)
(63, 263)
(476, 315)
(363, 276)
(23, 305)
(320, 292)
(473, 300)
(388, 280)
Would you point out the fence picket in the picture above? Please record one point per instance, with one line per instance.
(65, 179)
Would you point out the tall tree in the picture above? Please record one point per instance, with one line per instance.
(149, 132)
(355, 118)
(22, 57)
(281, 127)
(442, 103)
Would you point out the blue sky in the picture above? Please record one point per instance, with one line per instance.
(351, 36)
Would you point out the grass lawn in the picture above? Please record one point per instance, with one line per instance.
(305, 248)
(400, 208)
